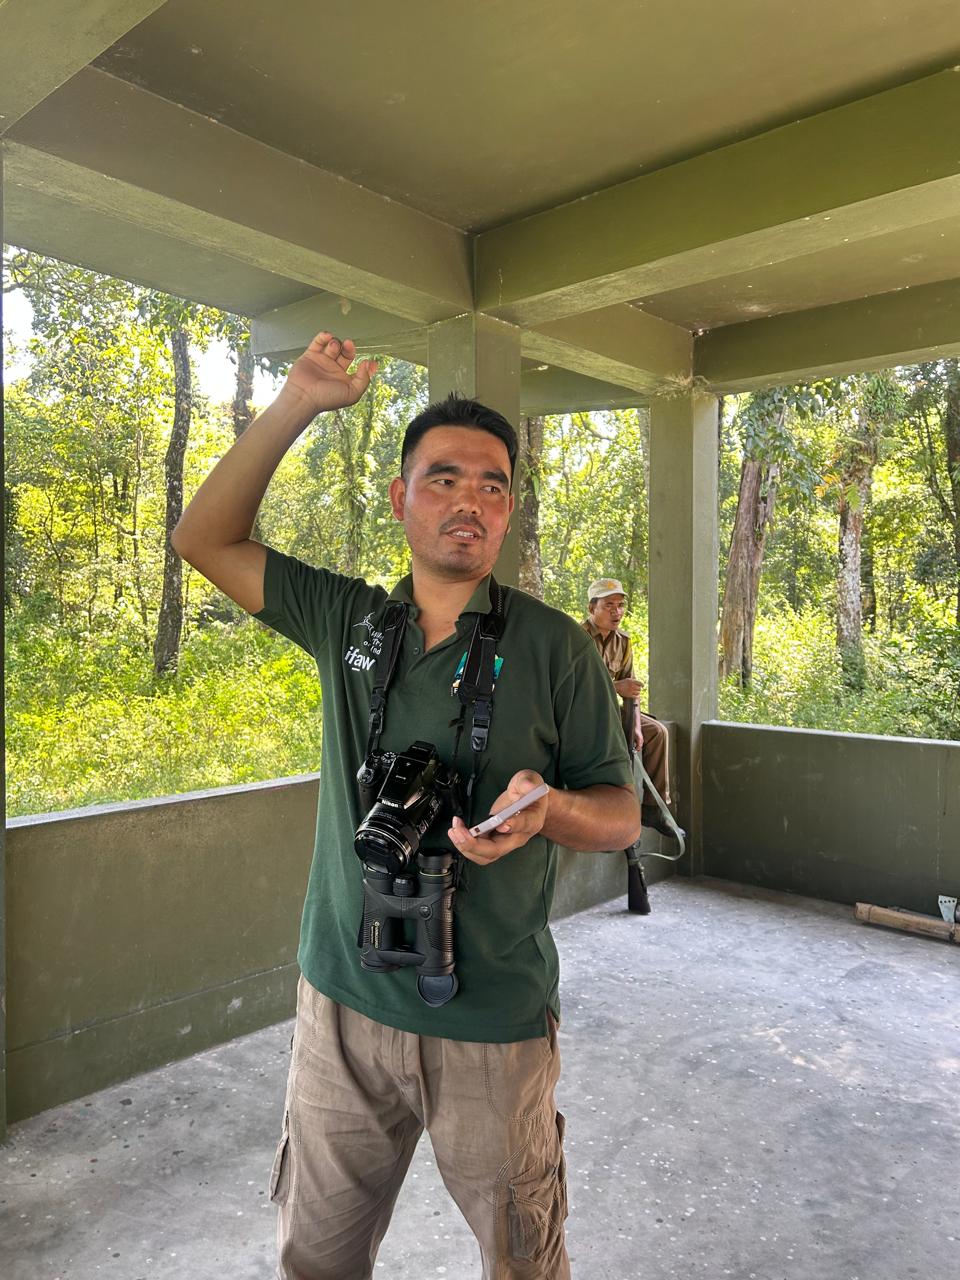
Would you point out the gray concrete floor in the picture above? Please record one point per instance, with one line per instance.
(755, 1086)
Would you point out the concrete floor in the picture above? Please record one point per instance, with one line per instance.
(755, 1085)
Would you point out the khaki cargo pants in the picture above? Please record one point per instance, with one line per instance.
(359, 1096)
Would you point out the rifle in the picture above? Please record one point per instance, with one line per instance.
(637, 900)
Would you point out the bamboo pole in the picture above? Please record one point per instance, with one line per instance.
(909, 921)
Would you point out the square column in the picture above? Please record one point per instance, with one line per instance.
(480, 357)
(3, 793)
(683, 594)
(3, 777)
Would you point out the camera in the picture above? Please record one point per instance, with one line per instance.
(406, 889)
(404, 794)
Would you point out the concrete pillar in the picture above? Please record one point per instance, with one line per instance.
(683, 586)
(480, 357)
(3, 789)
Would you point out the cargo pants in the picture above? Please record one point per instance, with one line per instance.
(360, 1094)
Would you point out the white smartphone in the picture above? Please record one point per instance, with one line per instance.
(489, 824)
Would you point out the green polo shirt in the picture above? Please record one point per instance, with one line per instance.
(554, 711)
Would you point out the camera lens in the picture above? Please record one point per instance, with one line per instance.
(384, 841)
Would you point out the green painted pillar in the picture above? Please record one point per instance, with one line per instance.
(480, 357)
(682, 586)
(3, 780)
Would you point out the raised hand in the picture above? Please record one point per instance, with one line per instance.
(321, 376)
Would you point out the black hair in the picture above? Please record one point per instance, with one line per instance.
(458, 411)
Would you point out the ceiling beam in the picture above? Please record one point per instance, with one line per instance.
(283, 333)
(899, 328)
(102, 143)
(870, 167)
(45, 42)
(552, 390)
(286, 331)
(619, 351)
(116, 247)
(618, 345)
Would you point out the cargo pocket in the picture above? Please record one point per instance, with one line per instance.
(562, 1168)
(280, 1173)
(538, 1207)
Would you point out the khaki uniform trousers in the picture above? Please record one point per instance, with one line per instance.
(358, 1098)
(654, 756)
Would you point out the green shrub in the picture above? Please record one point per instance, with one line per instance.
(88, 724)
(912, 684)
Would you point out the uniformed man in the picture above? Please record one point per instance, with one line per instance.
(607, 603)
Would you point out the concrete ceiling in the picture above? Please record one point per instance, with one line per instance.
(649, 192)
(481, 113)
(148, 257)
(878, 264)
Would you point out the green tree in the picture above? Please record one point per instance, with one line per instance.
(111, 361)
(527, 485)
(934, 413)
(182, 324)
(866, 407)
(594, 504)
(85, 428)
(768, 422)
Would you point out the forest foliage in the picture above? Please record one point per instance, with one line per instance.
(93, 715)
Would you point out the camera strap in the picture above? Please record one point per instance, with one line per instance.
(395, 620)
(476, 684)
(479, 674)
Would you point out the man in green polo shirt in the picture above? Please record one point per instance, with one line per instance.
(373, 1064)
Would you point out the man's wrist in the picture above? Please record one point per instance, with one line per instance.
(291, 400)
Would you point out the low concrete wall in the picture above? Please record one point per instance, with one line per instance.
(140, 933)
(144, 932)
(846, 817)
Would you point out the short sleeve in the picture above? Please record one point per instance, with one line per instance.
(593, 749)
(300, 600)
(626, 667)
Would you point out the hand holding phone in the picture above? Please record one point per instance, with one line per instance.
(495, 819)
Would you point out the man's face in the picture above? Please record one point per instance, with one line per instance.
(607, 614)
(455, 502)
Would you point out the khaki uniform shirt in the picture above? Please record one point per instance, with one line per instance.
(614, 649)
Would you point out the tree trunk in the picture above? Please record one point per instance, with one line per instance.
(135, 544)
(854, 494)
(634, 576)
(755, 508)
(166, 648)
(243, 395)
(354, 433)
(242, 407)
(951, 435)
(528, 505)
(868, 586)
(121, 495)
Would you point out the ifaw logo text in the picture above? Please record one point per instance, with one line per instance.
(357, 659)
(372, 642)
